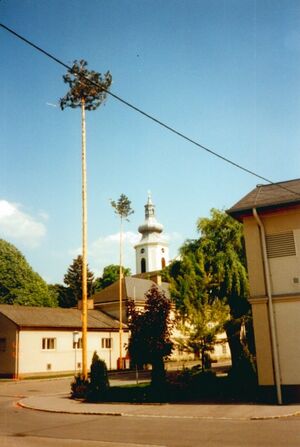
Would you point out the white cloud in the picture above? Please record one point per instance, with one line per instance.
(105, 250)
(19, 226)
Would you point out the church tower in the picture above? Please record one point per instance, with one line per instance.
(152, 252)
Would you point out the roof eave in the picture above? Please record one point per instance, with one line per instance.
(240, 214)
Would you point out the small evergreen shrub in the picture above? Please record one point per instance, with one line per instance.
(99, 383)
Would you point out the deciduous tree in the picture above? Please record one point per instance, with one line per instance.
(110, 275)
(212, 268)
(19, 284)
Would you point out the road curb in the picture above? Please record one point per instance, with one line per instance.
(57, 407)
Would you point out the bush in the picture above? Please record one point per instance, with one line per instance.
(99, 383)
(79, 387)
(95, 388)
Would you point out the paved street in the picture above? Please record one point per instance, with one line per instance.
(20, 427)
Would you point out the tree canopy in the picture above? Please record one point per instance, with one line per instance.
(213, 269)
(109, 276)
(73, 279)
(122, 207)
(85, 85)
(19, 284)
(150, 332)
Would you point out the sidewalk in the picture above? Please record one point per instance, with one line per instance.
(61, 403)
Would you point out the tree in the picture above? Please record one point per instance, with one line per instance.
(109, 276)
(201, 316)
(150, 334)
(212, 268)
(73, 279)
(64, 295)
(88, 90)
(222, 243)
(19, 284)
(201, 326)
(123, 209)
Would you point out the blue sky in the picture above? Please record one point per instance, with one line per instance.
(224, 72)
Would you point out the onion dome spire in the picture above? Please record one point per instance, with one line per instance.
(150, 224)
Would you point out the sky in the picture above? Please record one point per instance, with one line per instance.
(226, 73)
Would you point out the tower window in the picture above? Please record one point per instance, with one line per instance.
(162, 250)
(163, 263)
(143, 265)
(142, 250)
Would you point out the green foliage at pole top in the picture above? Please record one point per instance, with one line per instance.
(19, 284)
(122, 207)
(86, 85)
(73, 279)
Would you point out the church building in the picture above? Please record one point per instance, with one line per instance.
(152, 252)
(152, 255)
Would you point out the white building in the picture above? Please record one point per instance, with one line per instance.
(152, 252)
(37, 341)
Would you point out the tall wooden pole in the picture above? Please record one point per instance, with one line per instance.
(120, 297)
(84, 246)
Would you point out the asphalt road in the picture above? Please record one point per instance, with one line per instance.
(21, 427)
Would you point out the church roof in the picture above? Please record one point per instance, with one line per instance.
(56, 317)
(133, 288)
(268, 197)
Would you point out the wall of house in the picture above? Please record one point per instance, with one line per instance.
(288, 331)
(284, 265)
(8, 347)
(34, 360)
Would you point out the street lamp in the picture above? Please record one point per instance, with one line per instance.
(75, 344)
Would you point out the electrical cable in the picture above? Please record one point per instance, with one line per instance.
(152, 118)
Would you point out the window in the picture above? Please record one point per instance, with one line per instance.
(224, 349)
(163, 263)
(142, 250)
(143, 265)
(2, 344)
(48, 343)
(77, 345)
(106, 343)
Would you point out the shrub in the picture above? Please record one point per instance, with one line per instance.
(99, 383)
(79, 387)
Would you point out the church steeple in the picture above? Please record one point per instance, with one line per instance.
(150, 224)
(152, 252)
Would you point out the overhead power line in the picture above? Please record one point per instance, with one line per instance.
(147, 115)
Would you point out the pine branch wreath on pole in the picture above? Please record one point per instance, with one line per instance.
(87, 91)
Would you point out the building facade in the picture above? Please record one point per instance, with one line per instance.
(271, 218)
(42, 341)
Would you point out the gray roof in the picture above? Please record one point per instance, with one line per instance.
(133, 288)
(267, 197)
(56, 317)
